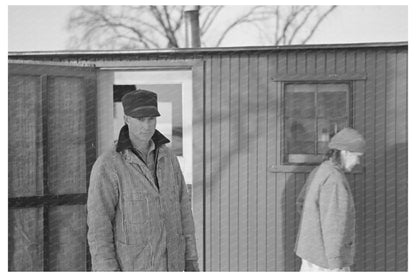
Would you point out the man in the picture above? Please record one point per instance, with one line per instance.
(139, 213)
(326, 237)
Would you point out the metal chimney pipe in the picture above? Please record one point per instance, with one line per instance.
(193, 36)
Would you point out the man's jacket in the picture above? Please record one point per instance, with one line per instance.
(326, 235)
(133, 225)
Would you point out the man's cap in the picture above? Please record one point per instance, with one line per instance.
(140, 103)
(348, 139)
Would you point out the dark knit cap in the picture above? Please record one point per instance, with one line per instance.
(140, 103)
(348, 139)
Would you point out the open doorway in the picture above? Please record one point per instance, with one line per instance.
(174, 90)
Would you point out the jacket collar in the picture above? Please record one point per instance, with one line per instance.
(124, 141)
(334, 164)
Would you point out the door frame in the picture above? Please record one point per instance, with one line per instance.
(105, 102)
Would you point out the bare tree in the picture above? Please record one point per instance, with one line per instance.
(131, 27)
(289, 23)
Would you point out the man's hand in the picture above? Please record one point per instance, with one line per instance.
(191, 265)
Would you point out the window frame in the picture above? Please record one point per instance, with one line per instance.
(348, 83)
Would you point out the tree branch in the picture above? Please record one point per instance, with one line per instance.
(301, 24)
(290, 19)
(315, 27)
(243, 19)
(211, 16)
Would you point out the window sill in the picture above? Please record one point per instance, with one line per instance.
(305, 168)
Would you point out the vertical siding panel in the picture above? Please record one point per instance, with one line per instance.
(280, 177)
(350, 61)
(300, 181)
(310, 62)
(280, 222)
(198, 166)
(320, 62)
(243, 166)
(291, 62)
(301, 62)
(359, 219)
(253, 164)
(340, 66)
(272, 200)
(225, 164)
(235, 155)
(359, 125)
(380, 167)
(216, 166)
(391, 219)
(369, 162)
(281, 70)
(262, 176)
(330, 61)
(401, 152)
(208, 164)
(352, 181)
(290, 216)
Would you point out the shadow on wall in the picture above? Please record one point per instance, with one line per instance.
(293, 186)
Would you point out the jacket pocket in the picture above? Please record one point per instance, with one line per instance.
(133, 257)
(136, 208)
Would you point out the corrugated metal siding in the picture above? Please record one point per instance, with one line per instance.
(251, 223)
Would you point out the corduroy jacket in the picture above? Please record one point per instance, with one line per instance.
(326, 235)
(133, 225)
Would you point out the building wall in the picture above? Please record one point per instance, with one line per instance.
(251, 223)
(244, 200)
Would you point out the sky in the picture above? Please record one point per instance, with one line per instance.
(42, 28)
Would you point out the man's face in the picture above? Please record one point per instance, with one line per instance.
(142, 128)
(350, 159)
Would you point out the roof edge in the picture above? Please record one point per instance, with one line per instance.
(210, 49)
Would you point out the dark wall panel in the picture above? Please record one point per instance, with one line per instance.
(25, 136)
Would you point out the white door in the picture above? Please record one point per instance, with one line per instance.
(174, 89)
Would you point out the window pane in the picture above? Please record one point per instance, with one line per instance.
(313, 113)
(300, 134)
(332, 104)
(327, 128)
(300, 105)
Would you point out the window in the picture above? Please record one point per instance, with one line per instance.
(313, 113)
